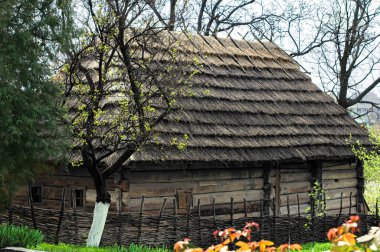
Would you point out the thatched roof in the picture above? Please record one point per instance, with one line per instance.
(251, 103)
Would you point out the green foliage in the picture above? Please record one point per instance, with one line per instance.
(14, 236)
(69, 248)
(316, 195)
(32, 34)
(317, 246)
(371, 162)
(137, 248)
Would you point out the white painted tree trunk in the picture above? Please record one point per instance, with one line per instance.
(98, 223)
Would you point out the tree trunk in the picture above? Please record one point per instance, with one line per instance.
(103, 201)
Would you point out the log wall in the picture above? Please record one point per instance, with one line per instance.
(339, 180)
(203, 185)
(271, 189)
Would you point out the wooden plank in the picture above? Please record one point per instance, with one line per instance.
(339, 174)
(303, 198)
(295, 187)
(192, 175)
(338, 166)
(295, 176)
(221, 209)
(344, 211)
(54, 193)
(225, 197)
(293, 209)
(335, 193)
(207, 186)
(277, 186)
(154, 203)
(335, 203)
(329, 184)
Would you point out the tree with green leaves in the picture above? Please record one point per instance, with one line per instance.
(371, 162)
(32, 34)
(120, 84)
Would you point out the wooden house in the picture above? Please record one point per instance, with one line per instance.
(259, 131)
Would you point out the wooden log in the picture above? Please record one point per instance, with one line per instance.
(193, 175)
(330, 184)
(293, 209)
(335, 203)
(154, 203)
(335, 193)
(198, 187)
(225, 197)
(223, 209)
(295, 187)
(339, 174)
(339, 165)
(302, 198)
(295, 176)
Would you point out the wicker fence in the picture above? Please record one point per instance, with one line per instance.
(166, 227)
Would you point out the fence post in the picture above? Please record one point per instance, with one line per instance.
(140, 219)
(175, 219)
(119, 195)
(377, 212)
(213, 213)
(74, 202)
(274, 221)
(199, 222)
(289, 223)
(159, 217)
(10, 214)
(340, 209)
(32, 209)
(232, 212)
(349, 210)
(60, 219)
(245, 209)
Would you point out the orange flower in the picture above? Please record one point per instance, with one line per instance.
(264, 244)
(354, 218)
(295, 246)
(332, 234)
(253, 245)
(180, 244)
(283, 247)
(348, 237)
(193, 250)
(242, 246)
(270, 249)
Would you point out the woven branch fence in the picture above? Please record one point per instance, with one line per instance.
(166, 227)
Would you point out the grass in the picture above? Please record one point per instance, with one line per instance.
(71, 248)
(15, 236)
(318, 247)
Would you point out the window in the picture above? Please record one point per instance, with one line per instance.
(78, 198)
(36, 194)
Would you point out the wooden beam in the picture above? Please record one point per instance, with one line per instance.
(267, 190)
(277, 190)
(360, 185)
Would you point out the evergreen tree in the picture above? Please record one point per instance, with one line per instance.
(33, 34)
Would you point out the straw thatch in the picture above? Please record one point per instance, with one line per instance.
(250, 103)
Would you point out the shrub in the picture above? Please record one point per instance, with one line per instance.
(236, 240)
(70, 248)
(14, 236)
